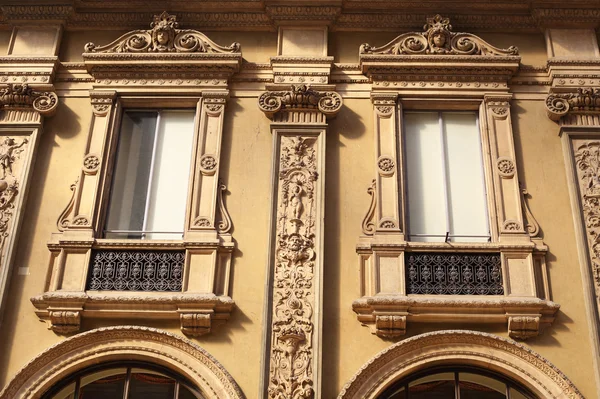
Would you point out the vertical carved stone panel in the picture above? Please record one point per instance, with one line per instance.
(503, 167)
(387, 150)
(206, 179)
(298, 232)
(586, 154)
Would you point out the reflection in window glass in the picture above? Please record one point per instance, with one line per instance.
(468, 383)
(475, 386)
(124, 382)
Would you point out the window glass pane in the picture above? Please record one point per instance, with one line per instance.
(467, 207)
(147, 384)
(437, 386)
(473, 386)
(66, 393)
(170, 175)
(103, 384)
(131, 175)
(399, 393)
(514, 394)
(424, 175)
(187, 393)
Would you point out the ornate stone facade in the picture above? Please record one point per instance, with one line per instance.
(322, 283)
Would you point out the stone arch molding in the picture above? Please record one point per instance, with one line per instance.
(458, 347)
(123, 343)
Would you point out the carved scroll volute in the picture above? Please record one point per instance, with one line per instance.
(387, 149)
(508, 206)
(206, 187)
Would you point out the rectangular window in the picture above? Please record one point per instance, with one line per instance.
(445, 180)
(151, 176)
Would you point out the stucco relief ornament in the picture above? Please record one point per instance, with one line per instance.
(291, 354)
(437, 38)
(24, 96)
(164, 37)
(587, 157)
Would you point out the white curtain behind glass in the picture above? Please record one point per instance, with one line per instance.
(150, 181)
(444, 172)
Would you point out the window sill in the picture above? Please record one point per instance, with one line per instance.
(387, 315)
(198, 313)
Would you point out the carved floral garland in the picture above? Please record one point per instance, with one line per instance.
(587, 157)
(291, 373)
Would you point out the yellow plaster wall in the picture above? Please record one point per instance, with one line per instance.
(4, 41)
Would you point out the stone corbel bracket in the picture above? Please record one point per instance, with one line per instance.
(25, 98)
(198, 314)
(575, 108)
(163, 56)
(438, 55)
(387, 315)
(301, 104)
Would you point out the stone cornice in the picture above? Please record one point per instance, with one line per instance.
(350, 15)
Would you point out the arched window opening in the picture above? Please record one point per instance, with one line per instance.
(456, 383)
(124, 380)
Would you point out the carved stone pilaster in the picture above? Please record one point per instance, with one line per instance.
(293, 329)
(388, 152)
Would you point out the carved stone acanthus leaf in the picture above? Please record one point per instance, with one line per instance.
(24, 96)
(584, 101)
(292, 325)
(368, 226)
(438, 38)
(510, 226)
(300, 97)
(587, 158)
(163, 37)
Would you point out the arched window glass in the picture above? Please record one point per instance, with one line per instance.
(130, 381)
(456, 383)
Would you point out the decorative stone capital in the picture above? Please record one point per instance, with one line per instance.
(390, 326)
(586, 101)
(23, 96)
(301, 98)
(65, 321)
